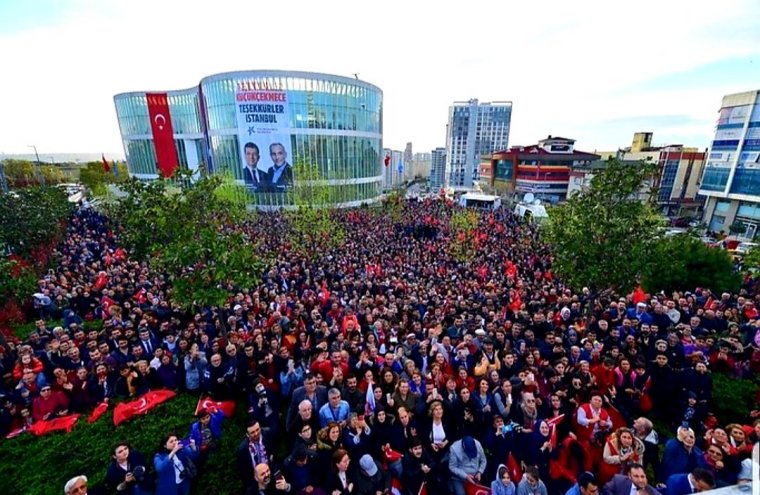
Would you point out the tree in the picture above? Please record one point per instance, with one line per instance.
(97, 179)
(685, 261)
(32, 218)
(189, 231)
(463, 226)
(312, 226)
(603, 237)
(24, 173)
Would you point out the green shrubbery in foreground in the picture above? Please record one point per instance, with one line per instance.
(42, 465)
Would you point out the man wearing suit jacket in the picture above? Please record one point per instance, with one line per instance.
(280, 173)
(634, 484)
(257, 448)
(255, 179)
(316, 394)
(148, 342)
(699, 480)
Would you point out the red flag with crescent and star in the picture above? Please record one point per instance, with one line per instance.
(127, 410)
(210, 405)
(163, 134)
(476, 489)
(60, 423)
(98, 411)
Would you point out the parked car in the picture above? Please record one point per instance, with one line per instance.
(744, 247)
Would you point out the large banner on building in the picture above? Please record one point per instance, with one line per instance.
(163, 134)
(264, 136)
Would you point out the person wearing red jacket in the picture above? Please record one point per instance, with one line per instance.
(605, 375)
(27, 361)
(326, 368)
(49, 404)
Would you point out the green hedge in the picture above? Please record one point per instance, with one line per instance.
(732, 398)
(42, 465)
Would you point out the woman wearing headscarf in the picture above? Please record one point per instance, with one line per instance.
(540, 450)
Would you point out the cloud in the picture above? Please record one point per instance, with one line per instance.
(567, 66)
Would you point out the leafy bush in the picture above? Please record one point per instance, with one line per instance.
(732, 398)
(684, 261)
(41, 465)
(32, 218)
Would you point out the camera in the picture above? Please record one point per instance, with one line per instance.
(262, 393)
(139, 473)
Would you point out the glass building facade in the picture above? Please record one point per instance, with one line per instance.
(335, 124)
(731, 179)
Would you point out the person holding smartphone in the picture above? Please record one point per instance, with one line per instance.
(174, 466)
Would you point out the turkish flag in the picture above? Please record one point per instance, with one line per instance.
(62, 423)
(515, 473)
(387, 160)
(639, 295)
(553, 422)
(163, 134)
(227, 407)
(475, 489)
(98, 412)
(127, 410)
(106, 166)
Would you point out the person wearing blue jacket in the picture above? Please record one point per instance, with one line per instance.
(503, 484)
(206, 432)
(174, 466)
(681, 455)
(699, 480)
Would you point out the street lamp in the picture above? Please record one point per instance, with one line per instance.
(37, 170)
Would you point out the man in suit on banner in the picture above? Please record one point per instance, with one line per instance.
(255, 179)
(280, 173)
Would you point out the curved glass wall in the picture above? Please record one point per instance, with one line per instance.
(334, 124)
(134, 122)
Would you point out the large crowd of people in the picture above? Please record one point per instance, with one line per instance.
(388, 363)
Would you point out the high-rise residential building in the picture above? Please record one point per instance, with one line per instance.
(438, 168)
(474, 129)
(408, 154)
(731, 181)
(420, 165)
(394, 174)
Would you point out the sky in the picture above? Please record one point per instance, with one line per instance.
(593, 70)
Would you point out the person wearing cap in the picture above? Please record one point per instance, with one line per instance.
(467, 463)
(640, 313)
(370, 479)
